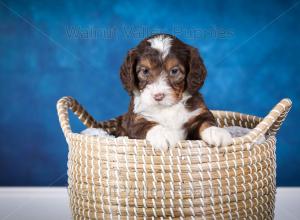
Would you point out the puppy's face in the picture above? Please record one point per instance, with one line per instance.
(160, 82)
(160, 69)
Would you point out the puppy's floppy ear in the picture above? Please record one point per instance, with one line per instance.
(127, 72)
(197, 72)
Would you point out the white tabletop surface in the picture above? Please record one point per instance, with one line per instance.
(52, 203)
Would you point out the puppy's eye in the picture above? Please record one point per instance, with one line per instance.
(145, 71)
(174, 71)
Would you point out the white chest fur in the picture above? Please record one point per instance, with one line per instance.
(170, 121)
(169, 117)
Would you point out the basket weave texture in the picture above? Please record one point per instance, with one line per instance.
(118, 178)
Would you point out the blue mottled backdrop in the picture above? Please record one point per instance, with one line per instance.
(49, 49)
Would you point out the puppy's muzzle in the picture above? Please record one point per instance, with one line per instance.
(159, 97)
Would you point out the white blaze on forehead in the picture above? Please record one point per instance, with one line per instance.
(162, 44)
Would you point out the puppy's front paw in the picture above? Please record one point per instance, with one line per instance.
(216, 136)
(163, 138)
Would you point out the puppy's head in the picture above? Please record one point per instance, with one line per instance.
(161, 69)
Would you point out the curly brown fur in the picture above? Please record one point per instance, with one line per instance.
(163, 76)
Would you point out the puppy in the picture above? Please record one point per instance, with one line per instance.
(162, 76)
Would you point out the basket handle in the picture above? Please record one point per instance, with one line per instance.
(270, 124)
(62, 107)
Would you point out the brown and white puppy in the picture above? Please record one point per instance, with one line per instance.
(163, 75)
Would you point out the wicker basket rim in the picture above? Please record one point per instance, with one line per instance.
(270, 124)
(82, 137)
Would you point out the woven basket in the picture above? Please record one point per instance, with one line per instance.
(128, 178)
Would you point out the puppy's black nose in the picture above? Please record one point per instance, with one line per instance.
(159, 96)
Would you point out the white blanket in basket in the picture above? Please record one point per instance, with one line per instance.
(235, 131)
